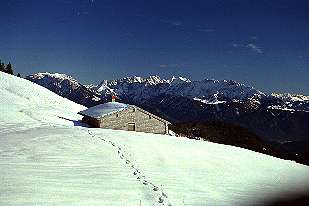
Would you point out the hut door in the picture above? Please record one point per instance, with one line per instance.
(131, 126)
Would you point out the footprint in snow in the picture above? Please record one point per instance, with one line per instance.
(161, 200)
(137, 171)
(145, 182)
(155, 189)
(127, 161)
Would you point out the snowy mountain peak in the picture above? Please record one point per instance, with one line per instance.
(291, 97)
(292, 101)
(179, 80)
(59, 76)
(153, 80)
(103, 87)
(133, 79)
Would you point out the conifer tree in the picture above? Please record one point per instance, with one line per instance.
(18, 75)
(1, 66)
(8, 69)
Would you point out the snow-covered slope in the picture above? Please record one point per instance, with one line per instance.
(23, 102)
(48, 158)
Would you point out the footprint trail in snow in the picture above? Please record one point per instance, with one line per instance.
(162, 198)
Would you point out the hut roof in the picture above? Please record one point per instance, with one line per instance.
(103, 109)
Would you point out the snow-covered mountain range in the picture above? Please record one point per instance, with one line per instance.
(47, 157)
(281, 118)
(207, 91)
(139, 89)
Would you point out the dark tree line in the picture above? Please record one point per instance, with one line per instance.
(7, 68)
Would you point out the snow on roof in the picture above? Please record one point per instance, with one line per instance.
(103, 109)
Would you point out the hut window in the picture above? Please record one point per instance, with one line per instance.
(149, 117)
(117, 115)
(133, 110)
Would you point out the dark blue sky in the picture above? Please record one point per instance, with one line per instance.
(263, 43)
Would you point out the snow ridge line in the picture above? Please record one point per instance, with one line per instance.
(162, 197)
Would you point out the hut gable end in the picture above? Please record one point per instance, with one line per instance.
(147, 122)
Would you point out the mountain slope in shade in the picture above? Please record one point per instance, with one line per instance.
(46, 160)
